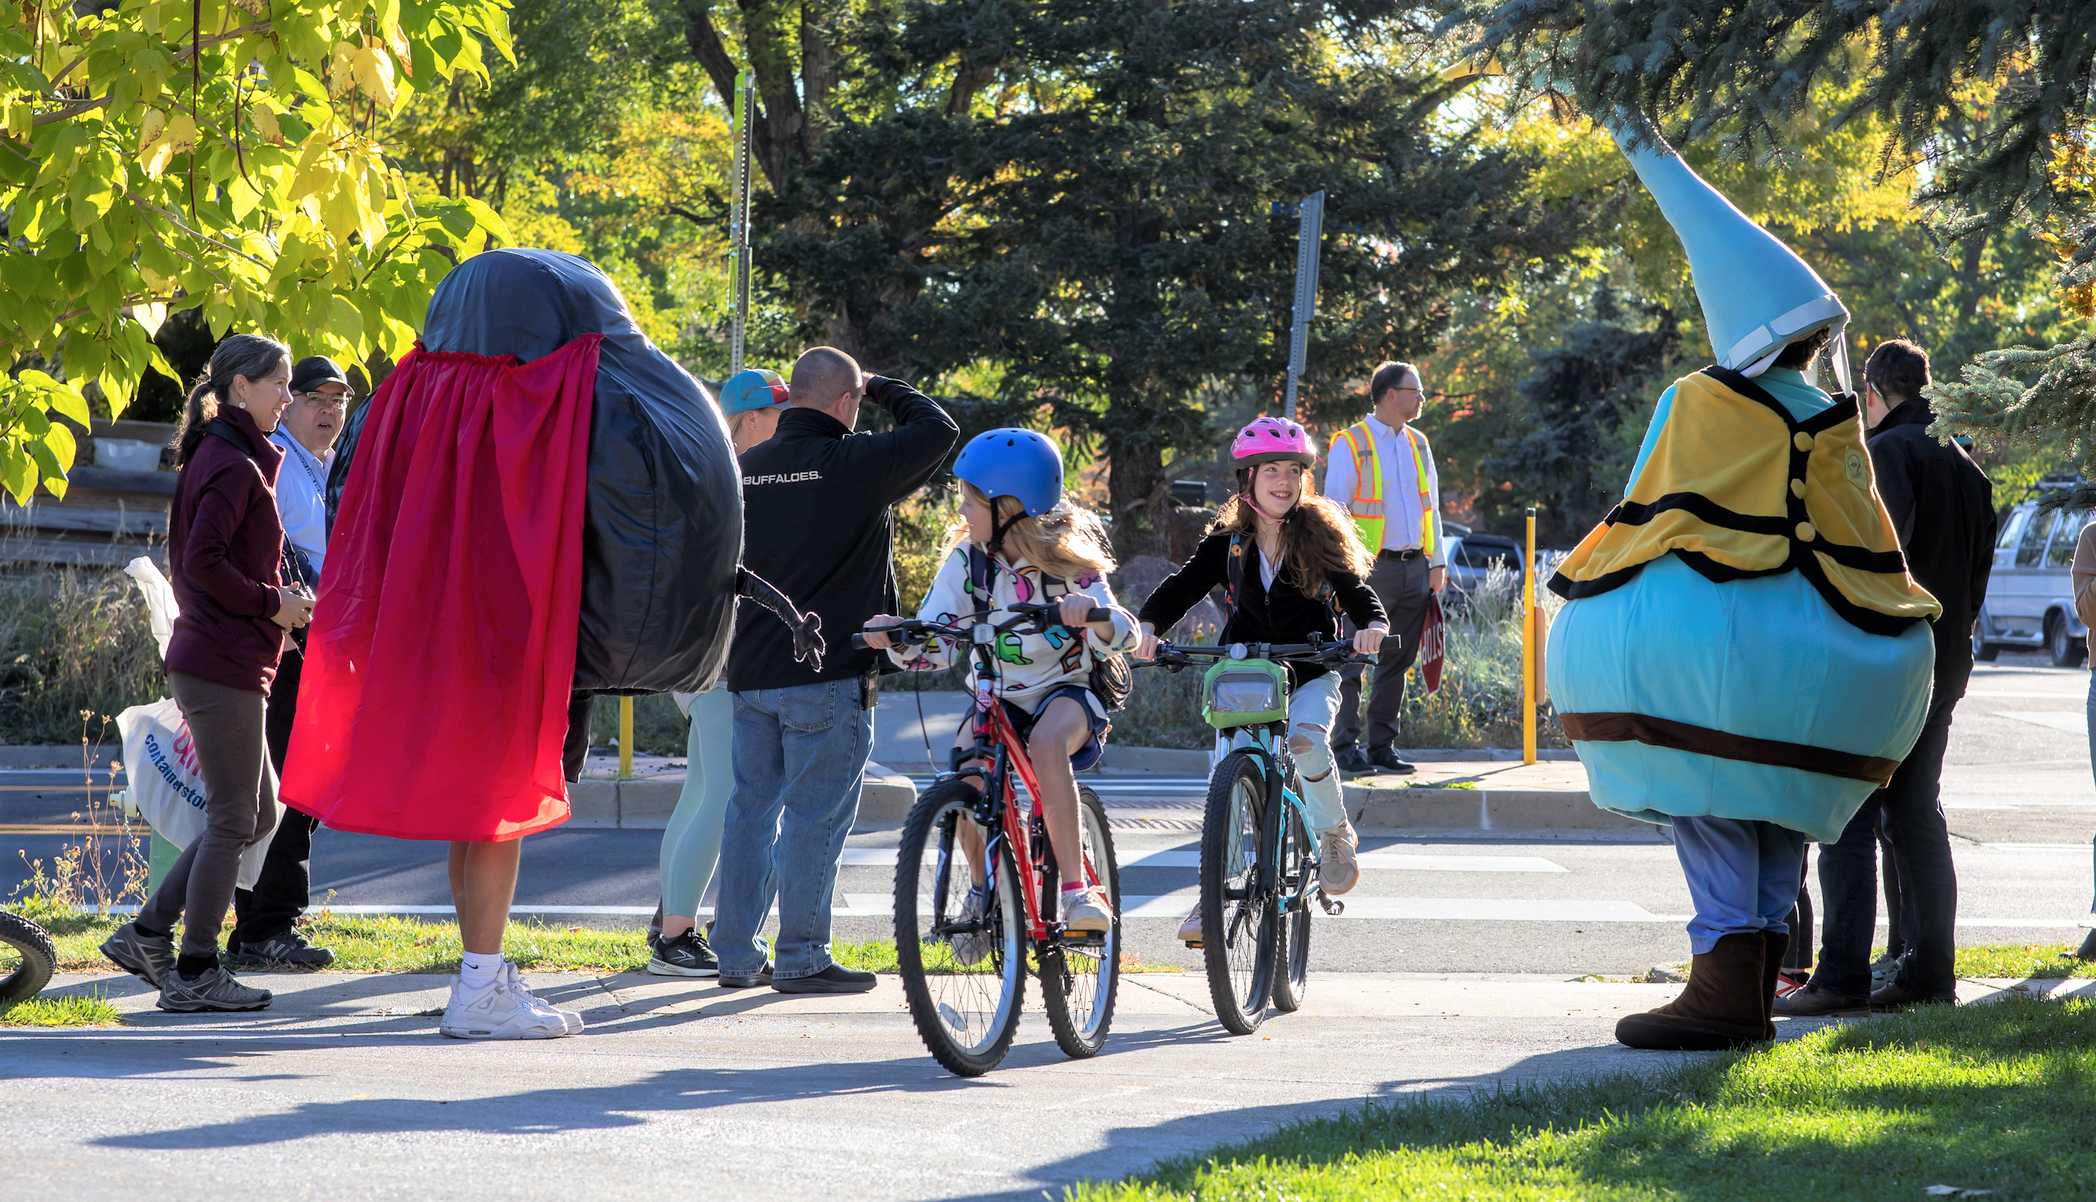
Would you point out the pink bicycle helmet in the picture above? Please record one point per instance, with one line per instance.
(1272, 440)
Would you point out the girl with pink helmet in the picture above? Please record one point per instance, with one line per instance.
(1301, 564)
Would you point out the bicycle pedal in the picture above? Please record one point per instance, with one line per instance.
(1332, 905)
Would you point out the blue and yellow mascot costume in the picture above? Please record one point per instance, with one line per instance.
(1742, 655)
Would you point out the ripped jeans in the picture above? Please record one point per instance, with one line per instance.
(1312, 709)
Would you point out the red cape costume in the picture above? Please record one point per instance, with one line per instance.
(438, 675)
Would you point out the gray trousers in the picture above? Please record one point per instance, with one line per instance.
(240, 807)
(1402, 586)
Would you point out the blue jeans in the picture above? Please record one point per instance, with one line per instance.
(1743, 875)
(799, 756)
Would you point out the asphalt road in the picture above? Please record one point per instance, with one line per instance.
(2018, 797)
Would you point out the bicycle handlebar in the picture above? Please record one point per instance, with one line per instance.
(914, 630)
(1330, 652)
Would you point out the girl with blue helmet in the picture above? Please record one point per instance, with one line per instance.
(1020, 540)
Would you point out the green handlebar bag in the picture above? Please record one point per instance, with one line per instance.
(1244, 692)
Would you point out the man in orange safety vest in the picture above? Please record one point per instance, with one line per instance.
(1382, 470)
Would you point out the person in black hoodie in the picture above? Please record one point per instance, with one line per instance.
(1942, 506)
(803, 733)
(1289, 562)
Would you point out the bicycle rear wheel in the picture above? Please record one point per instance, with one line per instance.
(1237, 902)
(36, 958)
(1292, 941)
(1079, 979)
(964, 975)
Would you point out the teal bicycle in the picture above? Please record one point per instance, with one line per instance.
(1259, 863)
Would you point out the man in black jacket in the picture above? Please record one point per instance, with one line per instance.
(816, 517)
(1942, 505)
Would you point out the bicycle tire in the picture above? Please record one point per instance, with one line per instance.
(1237, 933)
(1077, 988)
(966, 1019)
(1292, 939)
(39, 959)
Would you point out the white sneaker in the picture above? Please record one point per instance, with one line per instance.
(1087, 912)
(972, 947)
(1190, 930)
(497, 1012)
(1340, 865)
(515, 980)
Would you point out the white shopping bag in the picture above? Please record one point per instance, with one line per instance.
(161, 608)
(166, 787)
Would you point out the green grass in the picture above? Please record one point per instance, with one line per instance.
(2034, 960)
(92, 1010)
(1999, 1097)
(387, 943)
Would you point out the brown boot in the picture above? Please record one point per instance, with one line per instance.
(1773, 949)
(1723, 1007)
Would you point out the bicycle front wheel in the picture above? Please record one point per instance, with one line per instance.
(1237, 900)
(1079, 978)
(1292, 888)
(962, 960)
(35, 957)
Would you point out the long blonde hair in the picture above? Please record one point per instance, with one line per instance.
(1318, 537)
(1068, 542)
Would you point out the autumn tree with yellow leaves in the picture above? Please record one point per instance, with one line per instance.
(220, 155)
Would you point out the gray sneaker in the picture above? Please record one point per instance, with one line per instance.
(143, 956)
(214, 990)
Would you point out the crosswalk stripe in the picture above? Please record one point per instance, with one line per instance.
(1378, 861)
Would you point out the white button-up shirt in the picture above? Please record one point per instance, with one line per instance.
(1401, 508)
(302, 496)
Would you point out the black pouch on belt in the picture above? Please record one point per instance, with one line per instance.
(870, 688)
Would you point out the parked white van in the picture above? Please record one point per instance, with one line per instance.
(2030, 594)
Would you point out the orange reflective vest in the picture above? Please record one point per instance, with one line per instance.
(1366, 505)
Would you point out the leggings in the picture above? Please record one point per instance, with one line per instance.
(240, 809)
(691, 846)
(1311, 711)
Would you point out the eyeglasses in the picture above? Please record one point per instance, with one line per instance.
(320, 400)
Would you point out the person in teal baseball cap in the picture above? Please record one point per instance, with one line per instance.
(752, 400)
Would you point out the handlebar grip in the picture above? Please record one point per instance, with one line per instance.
(1098, 615)
(859, 643)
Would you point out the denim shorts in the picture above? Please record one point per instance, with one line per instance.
(1022, 722)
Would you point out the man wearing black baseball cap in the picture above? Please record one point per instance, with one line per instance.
(264, 934)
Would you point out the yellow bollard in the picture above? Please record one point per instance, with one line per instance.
(626, 738)
(1528, 646)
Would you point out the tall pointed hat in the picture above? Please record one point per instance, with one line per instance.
(1757, 294)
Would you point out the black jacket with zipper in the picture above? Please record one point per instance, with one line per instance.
(1942, 508)
(816, 523)
(1284, 615)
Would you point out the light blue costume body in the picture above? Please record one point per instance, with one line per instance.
(1763, 657)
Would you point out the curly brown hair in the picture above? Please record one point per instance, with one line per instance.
(1319, 537)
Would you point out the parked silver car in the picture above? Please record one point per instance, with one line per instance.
(2030, 595)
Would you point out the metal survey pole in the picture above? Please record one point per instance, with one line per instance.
(741, 114)
(1307, 238)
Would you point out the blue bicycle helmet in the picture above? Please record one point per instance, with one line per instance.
(1014, 463)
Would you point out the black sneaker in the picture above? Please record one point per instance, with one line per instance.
(761, 977)
(149, 958)
(288, 952)
(1385, 759)
(1352, 761)
(834, 979)
(684, 956)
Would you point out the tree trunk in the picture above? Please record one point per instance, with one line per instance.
(1139, 493)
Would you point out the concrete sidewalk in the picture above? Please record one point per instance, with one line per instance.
(344, 1089)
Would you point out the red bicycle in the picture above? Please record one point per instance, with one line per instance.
(963, 951)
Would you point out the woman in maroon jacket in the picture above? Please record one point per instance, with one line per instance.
(224, 543)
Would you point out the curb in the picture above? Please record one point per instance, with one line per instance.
(1480, 810)
(1172, 761)
(884, 797)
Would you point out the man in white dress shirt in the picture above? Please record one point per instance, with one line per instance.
(264, 934)
(1382, 470)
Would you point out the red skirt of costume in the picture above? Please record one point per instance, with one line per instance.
(435, 692)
